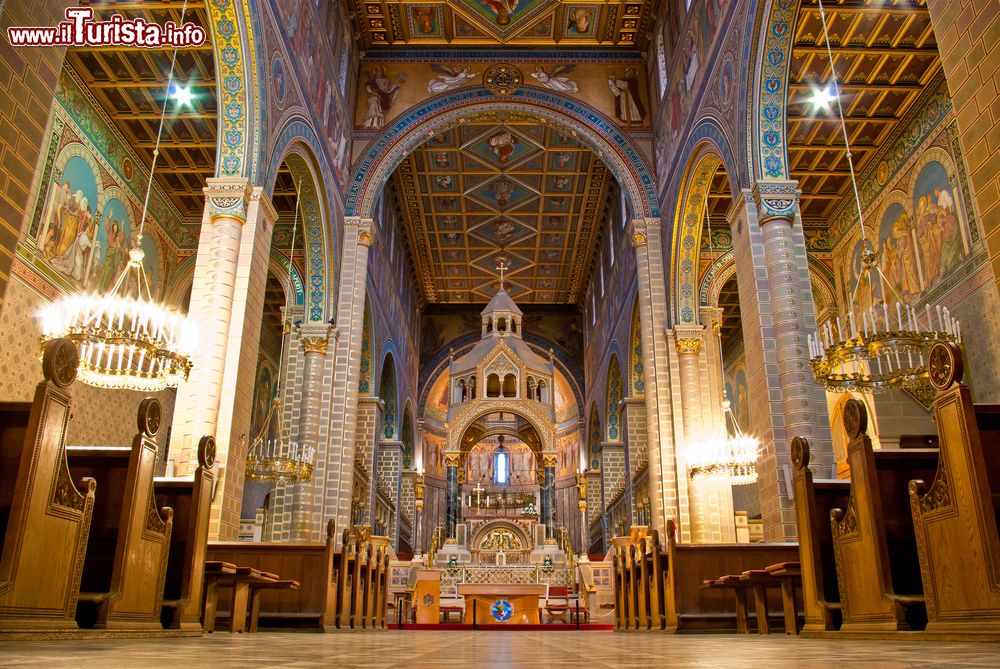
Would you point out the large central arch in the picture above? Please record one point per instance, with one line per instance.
(524, 409)
(598, 132)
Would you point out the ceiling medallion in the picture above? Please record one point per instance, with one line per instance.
(502, 79)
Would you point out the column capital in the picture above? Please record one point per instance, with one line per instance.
(641, 228)
(550, 458)
(776, 200)
(314, 345)
(228, 197)
(366, 229)
(688, 345)
(315, 337)
(452, 459)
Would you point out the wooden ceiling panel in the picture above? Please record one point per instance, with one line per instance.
(130, 86)
(884, 54)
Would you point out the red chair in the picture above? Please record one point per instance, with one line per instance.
(557, 602)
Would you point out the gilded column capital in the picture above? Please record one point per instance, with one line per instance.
(315, 337)
(315, 344)
(366, 229)
(452, 459)
(228, 197)
(550, 459)
(688, 345)
(642, 228)
(776, 200)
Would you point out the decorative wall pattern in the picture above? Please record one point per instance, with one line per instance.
(636, 374)
(614, 396)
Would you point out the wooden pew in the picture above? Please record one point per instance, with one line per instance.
(191, 500)
(689, 607)
(814, 499)
(311, 564)
(44, 517)
(126, 562)
(955, 516)
(878, 573)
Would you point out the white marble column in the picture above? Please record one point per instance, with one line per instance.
(315, 339)
(337, 495)
(227, 300)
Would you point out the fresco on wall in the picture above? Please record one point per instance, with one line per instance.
(67, 239)
(263, 393)
(921, 244)
(616, 87)
(114, 236)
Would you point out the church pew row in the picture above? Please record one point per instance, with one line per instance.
(345, 589)
(191, 501)
(814, 499)
(129, 543)
(657, 589)
(878, 572)
(955, 512)
(44, 516)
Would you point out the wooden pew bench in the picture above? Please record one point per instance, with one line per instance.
(126, 561)
(44, 514)
(191, 500)
(955, 510)
(241, 580)
(313, 566)
(784, 577)
(814, 499)
(873, 536)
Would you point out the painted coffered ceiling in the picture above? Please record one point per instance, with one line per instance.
(513, 188)
(516, 22)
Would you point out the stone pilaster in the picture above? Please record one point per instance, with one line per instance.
(337, 495)
(227, 303)
(665, 502)
(389, 473)
(633, 417)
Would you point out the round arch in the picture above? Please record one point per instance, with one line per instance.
(406, 436)
(314, 216)
(529, 411)
(387, 150)
(594, 433)
(636, 373)
(705, 161)
(615, 393)
(388, 393)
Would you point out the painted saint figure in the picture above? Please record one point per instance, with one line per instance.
(502, 144)
(628, 105)
(502, 8)
(381, 94)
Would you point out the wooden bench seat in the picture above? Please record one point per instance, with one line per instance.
(815, 498)
(240, 579)
(44, 514)
(191, 501)
(955, 510)
(875, 549)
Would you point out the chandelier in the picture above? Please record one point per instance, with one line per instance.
(127, 340)
(884, 346)
(732, 457)
(273, 456)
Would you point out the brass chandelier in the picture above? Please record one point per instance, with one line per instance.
(125, 338)
(274, 456)
(885, 346)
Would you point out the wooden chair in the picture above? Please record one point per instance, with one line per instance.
(127, 551)
(878, 572)
(955, 516)
(44, 518)
(191, 500)
(814, 499)
(556, 602)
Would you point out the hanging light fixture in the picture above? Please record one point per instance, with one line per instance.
(274, 456)
(126, 339)
(732, 457)
(884, 346)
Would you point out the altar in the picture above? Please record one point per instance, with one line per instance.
(502, 603)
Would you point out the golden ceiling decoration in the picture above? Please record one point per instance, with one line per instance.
(620, 23)
(515, 188)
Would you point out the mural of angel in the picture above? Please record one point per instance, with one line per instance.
(502, 144)
(449, 78)
(554, 81)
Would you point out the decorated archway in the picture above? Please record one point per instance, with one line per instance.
(600, 133)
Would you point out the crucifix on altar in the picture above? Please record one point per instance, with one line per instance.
(479, 489)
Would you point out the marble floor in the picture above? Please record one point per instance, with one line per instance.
(491, 650)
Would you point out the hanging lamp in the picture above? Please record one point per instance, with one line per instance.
(886, 345)
(273, 455)
(126, 339)
(724, 457)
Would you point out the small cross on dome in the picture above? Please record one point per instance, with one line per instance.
(502, 267)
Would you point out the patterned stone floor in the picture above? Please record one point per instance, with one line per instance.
(491, 650)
